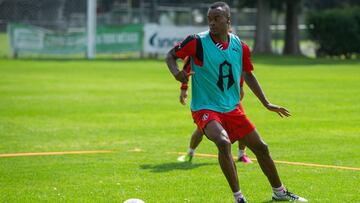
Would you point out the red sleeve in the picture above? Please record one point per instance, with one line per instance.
(186, 48)
(241, 81)
(187, 68)
(191, 46)
(246, 59)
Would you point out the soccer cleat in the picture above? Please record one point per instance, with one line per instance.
(185, 158)
(245, 159)
(287, 196)
(241, 200)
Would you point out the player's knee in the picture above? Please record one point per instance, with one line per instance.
(262, 150)
(223, 143)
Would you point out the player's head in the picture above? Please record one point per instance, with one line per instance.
(219, 17)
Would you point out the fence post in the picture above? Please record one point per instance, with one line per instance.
(91, 29)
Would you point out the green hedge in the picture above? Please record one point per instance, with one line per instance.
(336, 31)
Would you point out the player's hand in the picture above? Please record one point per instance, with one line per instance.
(278, 109)
(183, 77)
(183, 97)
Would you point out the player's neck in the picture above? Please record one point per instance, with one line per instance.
(223, 37)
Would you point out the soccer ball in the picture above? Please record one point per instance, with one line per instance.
(132, 200)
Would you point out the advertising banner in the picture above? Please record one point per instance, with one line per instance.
(32, 39)
(160, 39)
(115, 39)
(109, 39)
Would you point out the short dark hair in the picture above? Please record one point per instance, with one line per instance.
(223, 5)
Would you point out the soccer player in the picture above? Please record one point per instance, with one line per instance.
(197, 135)
(216, 62)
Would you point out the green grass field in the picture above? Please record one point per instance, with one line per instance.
(132, 108)
(4, 45)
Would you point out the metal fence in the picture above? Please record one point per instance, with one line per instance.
(64, 16)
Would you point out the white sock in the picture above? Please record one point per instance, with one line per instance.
(238, 195)
(191, 151)
(280, 190)
(241, 153)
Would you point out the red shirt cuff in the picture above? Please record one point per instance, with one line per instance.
(184, 86)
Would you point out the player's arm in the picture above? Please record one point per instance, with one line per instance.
(174, 68)
(241, 93)
(183, 96)
(247, 66)
(241, 88)
(181, 50)
(255, 87)
(184, 86)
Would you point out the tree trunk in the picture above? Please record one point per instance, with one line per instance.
(292, 39)
(262, 42)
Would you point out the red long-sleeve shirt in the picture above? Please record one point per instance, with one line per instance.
(190, 47)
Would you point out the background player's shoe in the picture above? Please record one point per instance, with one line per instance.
(183, 158)
(245, 159)
(287, 196)
(241, 200)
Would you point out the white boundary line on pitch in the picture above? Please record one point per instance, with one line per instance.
(54, 153)
(281, 162)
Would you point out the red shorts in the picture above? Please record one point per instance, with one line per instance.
(236, 123)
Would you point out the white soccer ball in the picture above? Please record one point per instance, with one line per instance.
(132, 200)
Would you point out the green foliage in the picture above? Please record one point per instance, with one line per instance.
(327, 4)
(336, 31)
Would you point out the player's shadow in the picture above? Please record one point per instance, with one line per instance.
(166, 167)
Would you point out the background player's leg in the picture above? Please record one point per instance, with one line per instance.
(216, 133)
(241, 145)
(196, 138)
(242, 157)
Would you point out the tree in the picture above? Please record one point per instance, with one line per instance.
(327, 4)
(292, 38)
(262, 42)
